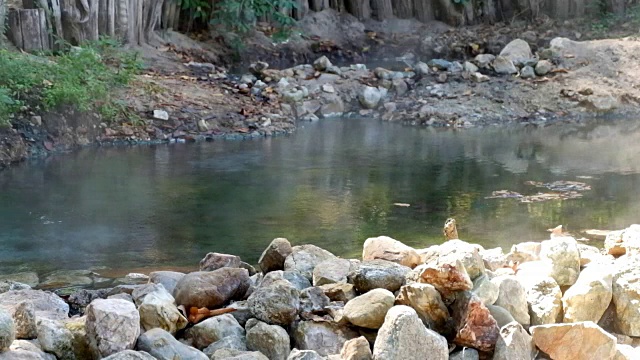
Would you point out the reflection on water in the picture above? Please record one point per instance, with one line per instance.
(333, 184)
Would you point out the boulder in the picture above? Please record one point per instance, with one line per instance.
(544, 298)
(211, 289)
(168, 279)
(304, 355)
(46, 304)
(25, 350)
(274, 255)
(503, 66)
(386, 248)
(323, 337)
(484, 60)
(493, 259)
(428, 304)
(447, 278)
(356, 349)
(373, 274)
(339, 292)
(591, 254)
(304, 259)
(313, 300)
(331, 271)
(574, 341)
(77, 326)
(213, 329)
(518, 51)
(369, 97)
(487, 290)
(276, 303)
(271, 340)
(24, 318)
(589, 297)
(163, 346)
(474, 325)
(403, 336)
(112, 326)
(294, 277)
(501, 315)
(523, 252)
(618, 243)
(130, 355)
(157, 311)
(368, 310)
(232, 354)
(469, 67)
(55, 338)
(543, 67)
(214, 261)
(458, 250)
(513, 297)
(7, 330)
(527, 72)
(563, 254)
(514, 343)
(140, 293)
(229, 342)
(322, 63)
(626, 295)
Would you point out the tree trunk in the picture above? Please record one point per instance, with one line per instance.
(423, 10)
(358, 8)
(337, 5)
(170, 15)
(489, 12)
(3, 15)
(560, 9)
(318, 5)
(79, 20)
(301, 10)
(449, 14)
(403, 8)
(152, 10)
(107, 18)
(381, 9)
(28, 29)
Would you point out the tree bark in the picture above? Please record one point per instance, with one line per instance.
(449, 14)
(28, 29)
(318, 5)
(358, 8)
(423, 10)
(3, 16)
(152, 10)
(337, 5)
(107, 18)
(489, 12)
(381, 9)
(170, 15)
(79, 20)
(301, 10)
(403, 8)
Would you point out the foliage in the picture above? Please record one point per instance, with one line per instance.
(82, 77)
(239, 16)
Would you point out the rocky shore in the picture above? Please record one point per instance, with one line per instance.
(555, 299)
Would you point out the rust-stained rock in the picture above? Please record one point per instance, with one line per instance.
(475, 327)
(427, 302)
(447, 278)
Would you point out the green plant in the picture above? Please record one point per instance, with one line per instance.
(239, 16)
(82, 77)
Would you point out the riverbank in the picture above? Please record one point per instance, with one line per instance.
(448, 81)
(555, 299)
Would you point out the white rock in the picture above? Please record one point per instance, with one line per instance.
(55, 338)
(7, 329)
(113, 325)
(513, 297)
(369, 97)
(487, 290)
(574, 341)
(564, 256)
(160, 115)
(626, 295)
(514, 343)
(590, 296)
(386, 248)
(403, 336)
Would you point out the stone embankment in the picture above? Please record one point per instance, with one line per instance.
(557, 299)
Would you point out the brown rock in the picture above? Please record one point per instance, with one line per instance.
(274, 255)
(427, 302)
(212, 289)
(356, 349)
(339, 292)
(214, 261)
(447, 278)
(475, 326)
(574, 341)
(386, 248)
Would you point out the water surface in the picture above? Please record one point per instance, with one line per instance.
(334, 183)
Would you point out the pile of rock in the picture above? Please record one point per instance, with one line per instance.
(455, 300)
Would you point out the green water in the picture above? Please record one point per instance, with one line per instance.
(333, 184)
